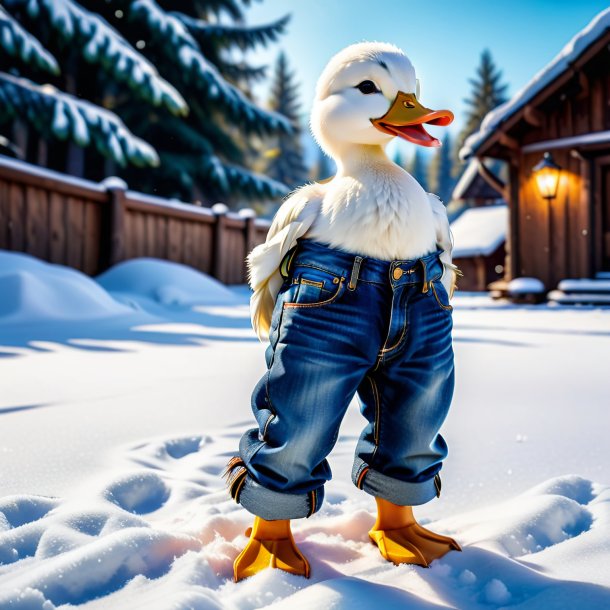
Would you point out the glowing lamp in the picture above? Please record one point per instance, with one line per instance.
(546, 173)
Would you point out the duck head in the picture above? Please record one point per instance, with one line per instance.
(368, 95)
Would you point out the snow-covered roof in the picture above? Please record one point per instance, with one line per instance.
(472, 169)
(570, 53)
(479, 231)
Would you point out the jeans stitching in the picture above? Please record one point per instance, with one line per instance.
(272, 416)
(313, 503)
(445, 307)
(319, 303)
(333, 273)
(384, 351)
(377, 428)
(360, 478)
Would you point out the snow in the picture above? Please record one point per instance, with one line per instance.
(34, 291)
(18, 42)
(163, 282)
(562, 62)
(559, 296)
(584, 285)
(525, 285)
(114, 435)
(597, 137)
(479, 231)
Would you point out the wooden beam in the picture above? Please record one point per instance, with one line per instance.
(596, 138)
(492, 180)
(533, 116)
(509, 142)
(584, 84)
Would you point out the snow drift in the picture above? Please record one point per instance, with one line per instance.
(164, 283)
(34, 291)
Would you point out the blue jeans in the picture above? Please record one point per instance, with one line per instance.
(346, 324)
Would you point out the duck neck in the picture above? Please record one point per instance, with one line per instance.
(356, 159)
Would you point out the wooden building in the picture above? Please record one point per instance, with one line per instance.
(565, 111)
(479, 234)
(478, 226)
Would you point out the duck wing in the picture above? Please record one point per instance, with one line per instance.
(292, 220)
(444, 240)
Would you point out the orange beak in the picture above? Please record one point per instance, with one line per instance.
(406, 117)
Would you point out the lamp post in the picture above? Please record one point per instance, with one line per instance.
(546, 173)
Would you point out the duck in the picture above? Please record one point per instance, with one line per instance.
(366, 96)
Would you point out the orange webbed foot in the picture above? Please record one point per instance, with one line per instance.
(401, 539)
(271, 545)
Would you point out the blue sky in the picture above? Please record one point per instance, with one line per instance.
(443, 39)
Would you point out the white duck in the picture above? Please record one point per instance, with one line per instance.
(366, 96)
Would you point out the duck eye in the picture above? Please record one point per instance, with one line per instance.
(367, 87)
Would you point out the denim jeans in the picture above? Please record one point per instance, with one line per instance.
(346, 324)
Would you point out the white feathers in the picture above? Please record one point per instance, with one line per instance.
(291, 221)
(378, 210)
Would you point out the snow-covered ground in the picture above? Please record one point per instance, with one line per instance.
(121, 402)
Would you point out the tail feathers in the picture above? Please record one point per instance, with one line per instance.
(262, 303)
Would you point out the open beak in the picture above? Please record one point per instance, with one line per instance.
(406, 118)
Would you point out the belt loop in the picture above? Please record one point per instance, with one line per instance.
(353, 280)
(286, 261)
(425, 280)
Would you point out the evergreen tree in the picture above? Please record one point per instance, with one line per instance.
(440, 179)
(487, 93)
(160, 85)
(418, 168)
(286, 164)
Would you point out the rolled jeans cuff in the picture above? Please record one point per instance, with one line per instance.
(273, 505)
(402, 493)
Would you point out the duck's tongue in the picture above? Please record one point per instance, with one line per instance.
(405, 119)
(413, 133)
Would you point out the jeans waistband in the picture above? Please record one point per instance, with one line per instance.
(354, 267)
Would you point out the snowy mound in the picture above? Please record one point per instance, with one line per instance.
(34, 291)
(525, 285)
(164, 283)
(164, 534)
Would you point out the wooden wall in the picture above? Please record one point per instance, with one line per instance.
(92, 226)
(557, 239)
(554, 235)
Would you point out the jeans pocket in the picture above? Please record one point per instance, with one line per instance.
(316, 287)
(440, 294)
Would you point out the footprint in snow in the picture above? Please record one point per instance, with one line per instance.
(140, 493)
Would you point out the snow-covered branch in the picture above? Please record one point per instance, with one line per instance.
(102, 45)
(67, 117)
(21, 44)
(202, 73)
(244, 37)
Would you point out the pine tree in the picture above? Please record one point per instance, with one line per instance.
(160, 89)
(487, 93)
(418, 168)
(440, 179)
(286, 165)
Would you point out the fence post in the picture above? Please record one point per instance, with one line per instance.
(219, 251)
(116, 189)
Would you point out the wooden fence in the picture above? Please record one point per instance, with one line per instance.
(91, 226)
